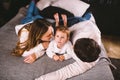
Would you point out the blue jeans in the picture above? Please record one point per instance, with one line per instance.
(32, 13)
(73, 20)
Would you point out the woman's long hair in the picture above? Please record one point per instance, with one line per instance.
(36, 30)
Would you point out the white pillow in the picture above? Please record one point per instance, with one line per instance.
(77, 7)
(41, 4)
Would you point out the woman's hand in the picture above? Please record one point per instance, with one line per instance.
(30, 59)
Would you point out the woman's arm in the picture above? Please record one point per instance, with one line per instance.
(34, 53)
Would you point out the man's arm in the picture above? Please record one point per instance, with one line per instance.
(68, 71)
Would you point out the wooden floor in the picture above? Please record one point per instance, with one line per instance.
(116, 72)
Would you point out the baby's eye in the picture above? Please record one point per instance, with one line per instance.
(57, 36)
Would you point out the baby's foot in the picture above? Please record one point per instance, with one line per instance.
(64, 18)
(56, 17)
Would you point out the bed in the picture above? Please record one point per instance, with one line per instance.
(13, 68)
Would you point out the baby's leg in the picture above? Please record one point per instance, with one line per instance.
(56, 16)
(64, 17)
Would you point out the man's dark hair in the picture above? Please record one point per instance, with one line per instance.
(87, 49)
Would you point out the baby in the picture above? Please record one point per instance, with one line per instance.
(60, 48)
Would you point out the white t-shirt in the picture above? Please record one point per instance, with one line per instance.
(66, 50)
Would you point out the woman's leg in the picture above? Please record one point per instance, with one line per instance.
(29, 13)
(36, 11)
(73, 20)
(31, 9)
(32, 13)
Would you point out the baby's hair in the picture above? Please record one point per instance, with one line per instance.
(63, 29)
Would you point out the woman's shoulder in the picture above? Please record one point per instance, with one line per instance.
(20, 26)
(24, 30)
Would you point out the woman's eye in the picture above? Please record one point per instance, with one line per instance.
(49, 35)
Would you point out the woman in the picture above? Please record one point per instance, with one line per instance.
(33, 40)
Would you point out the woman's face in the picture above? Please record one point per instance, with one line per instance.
(48, 35)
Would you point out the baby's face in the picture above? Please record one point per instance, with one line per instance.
(61, 38)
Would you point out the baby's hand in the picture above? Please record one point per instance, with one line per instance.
(61, 57)
(56, 57)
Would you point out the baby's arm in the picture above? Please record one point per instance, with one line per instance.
(69, 51)
(50, 50)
